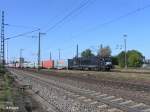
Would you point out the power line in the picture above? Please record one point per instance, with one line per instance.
(120, 17)
(124, 16)
(23, 34)
(78, 12)
(21, 26)
(82, 4)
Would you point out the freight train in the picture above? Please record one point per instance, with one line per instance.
(80, 63)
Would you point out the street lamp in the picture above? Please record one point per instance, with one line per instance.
(125, 50)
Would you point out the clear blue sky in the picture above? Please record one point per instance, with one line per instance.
(83, 27)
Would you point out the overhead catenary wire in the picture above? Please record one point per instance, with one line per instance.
(73, 11)
(78, 12)
(21, 26)
(82, 4)
(117, 19)
(22, 34)
(125, 15)
(120, 17)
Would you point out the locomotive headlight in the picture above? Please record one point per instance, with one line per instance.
(108, 63)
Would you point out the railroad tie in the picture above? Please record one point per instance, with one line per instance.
(146, 110)
(113, 110)
(108, 98)
(92, 103)
(82, 97)
(96, 94)
(90, 92)
(103, 95)
(75, 95)
(138, 105)
(118, 99)
(87, 100)
(102, 106)
(126, 102)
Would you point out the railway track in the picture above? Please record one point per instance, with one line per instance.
(112, 70)
(68, 98)
(90, 78)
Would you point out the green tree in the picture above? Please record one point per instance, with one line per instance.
(134, 59)
(104, 52)
(114, 60)
(87, 53)
(121, 59)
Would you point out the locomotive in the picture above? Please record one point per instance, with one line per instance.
(90, 63)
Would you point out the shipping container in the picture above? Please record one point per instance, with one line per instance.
(32, 65)
(12, 65)
(17, 65)
(25, 65)
(61, 64)
(48, 64)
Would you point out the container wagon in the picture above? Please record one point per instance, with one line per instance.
(48, 64)
(61, 64)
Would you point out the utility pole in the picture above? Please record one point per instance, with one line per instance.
(50, 56)
(7, 52)
(77, 55)
(101, 46)
(2, 41)
(125, 50)
(59, 53)
(39, 49)
(21, 58)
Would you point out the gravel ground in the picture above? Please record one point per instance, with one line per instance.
(58, 96)
(108, 88)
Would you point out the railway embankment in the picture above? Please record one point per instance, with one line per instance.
(13, 98)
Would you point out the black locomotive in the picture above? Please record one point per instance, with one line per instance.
(90, 63)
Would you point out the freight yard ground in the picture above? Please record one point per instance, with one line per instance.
(84, 91)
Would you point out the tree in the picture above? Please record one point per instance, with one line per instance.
(87, 53)
(121, 59)
(104, 52)
(114, 60)
(134, 59)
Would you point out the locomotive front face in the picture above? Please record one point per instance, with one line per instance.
(108, 64)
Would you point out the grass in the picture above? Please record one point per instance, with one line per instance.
(6, 90)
